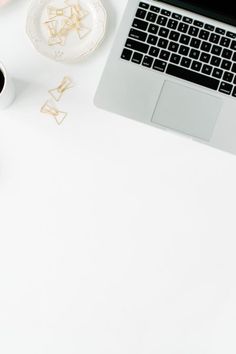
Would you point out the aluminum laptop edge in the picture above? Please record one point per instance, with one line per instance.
(151, 76)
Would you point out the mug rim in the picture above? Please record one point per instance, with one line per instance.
(3, 70)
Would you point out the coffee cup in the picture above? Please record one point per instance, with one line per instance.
(7, 89)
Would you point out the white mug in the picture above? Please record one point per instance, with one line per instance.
(7, 95)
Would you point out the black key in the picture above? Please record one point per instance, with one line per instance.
(153, 28)
(198, 23)
(126, 54)
(159, 65)
(155, 9)
(154, 51)
(227, 53)
(165, 12)
(193, 31)
(217, 73)
(137, 58)
(152, 39)
(204, 34)
(176, 16)
(136, 34)
(205, 47)
(228, 76)
(235, 79)
(183, 27)
(216, 50)
(140, 24)
(196, 65)
(233, 45)
(184, 50)
(220, 31)
(214, 38)
(209, 27)
(225, 42)
(162, 20)
(184, 39)
(234, 57)
(172, 24)
(215, 61)
(164, 55)
(194, 53)
(173, 47)
(174, 36)
(231, 34)
(163, 43)
(234, 68)
(141, 13)
(234, 91)
(226, 88)
(175, 58)
(143, 5)
(195, 43)
(207, 69)
(163, 32)
(187, 19)
(151, 17)
(140, 47)
(205, 57)
(226, 64)
(192, 76)
(147, 61)
(185, 62)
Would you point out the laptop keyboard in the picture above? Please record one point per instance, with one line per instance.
(182, 47)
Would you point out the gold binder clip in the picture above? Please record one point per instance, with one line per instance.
(57, 93)
(51, 110)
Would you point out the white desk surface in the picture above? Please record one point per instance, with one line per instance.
(115, 237)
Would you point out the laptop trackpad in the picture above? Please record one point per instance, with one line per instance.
(187, 110)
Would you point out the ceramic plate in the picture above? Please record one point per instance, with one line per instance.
(79, 41)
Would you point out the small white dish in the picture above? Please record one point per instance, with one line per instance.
(74, 48)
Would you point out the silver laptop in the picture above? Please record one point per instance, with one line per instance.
(173, 66)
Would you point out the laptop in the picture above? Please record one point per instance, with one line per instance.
(173, 66)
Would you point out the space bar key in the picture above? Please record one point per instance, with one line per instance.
(192, 76)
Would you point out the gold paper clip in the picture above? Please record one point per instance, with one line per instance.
(55, 37)
(67, 27)
(81, 30)
(56, 40)
(52, 27)
(81, 13)
(57, 93)
(59, 12)
(48, 108)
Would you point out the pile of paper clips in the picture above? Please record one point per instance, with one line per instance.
(63, 21)
(57, 93)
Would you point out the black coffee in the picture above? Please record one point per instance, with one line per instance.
(2, 81)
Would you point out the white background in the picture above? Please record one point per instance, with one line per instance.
(115, 237)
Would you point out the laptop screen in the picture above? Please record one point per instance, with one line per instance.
(219, 10)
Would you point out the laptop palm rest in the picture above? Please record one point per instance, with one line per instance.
(187, 110)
